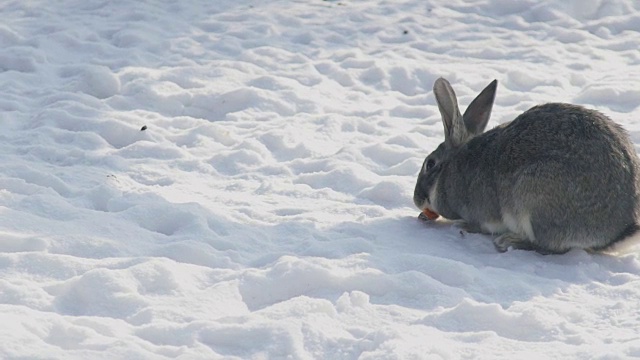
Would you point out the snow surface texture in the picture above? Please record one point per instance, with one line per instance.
(265, 212)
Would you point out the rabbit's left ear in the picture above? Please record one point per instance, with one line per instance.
(454, 134)
(478, 113)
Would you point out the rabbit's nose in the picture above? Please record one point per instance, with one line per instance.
(419, 198)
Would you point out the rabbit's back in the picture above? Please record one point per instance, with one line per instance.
(568, 175)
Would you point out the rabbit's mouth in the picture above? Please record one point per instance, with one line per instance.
(422, 201)
(428, 214)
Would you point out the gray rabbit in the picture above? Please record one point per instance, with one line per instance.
(558, 177)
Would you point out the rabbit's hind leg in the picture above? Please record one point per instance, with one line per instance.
(517, 242)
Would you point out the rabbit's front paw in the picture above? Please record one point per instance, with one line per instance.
(512, 240)
(472, 228)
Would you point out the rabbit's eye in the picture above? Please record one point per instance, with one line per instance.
(429, 165)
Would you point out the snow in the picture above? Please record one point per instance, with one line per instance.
(265, 210)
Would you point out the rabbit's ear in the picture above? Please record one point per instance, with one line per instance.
(478, 113)
(451, 118)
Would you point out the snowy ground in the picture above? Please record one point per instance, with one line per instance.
(265, 212)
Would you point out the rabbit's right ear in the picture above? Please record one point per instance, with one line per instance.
(478, 113)
(454, 130)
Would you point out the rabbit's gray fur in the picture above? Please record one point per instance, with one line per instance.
(557, 177)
